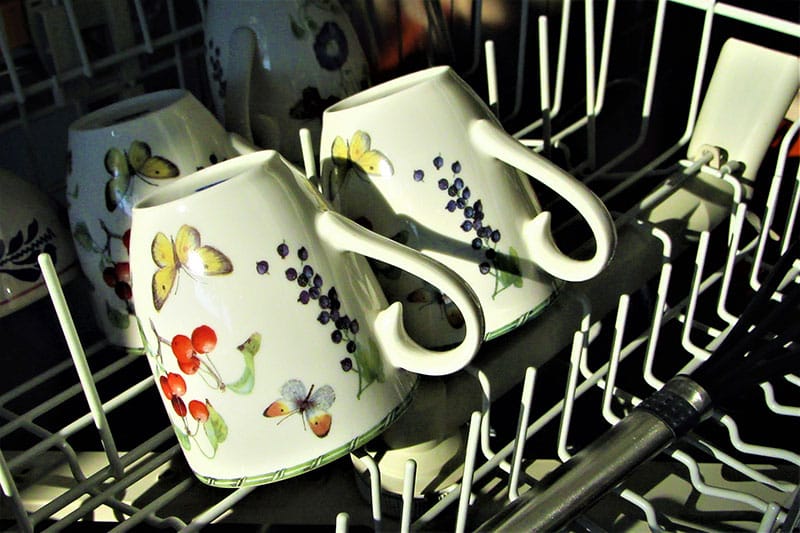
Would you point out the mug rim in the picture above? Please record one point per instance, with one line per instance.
(128, 110)
(217, 175)
(389, 88)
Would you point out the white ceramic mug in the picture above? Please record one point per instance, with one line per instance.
(421, 159)
(275, 66)
(118, 154)
(274, 347)
(29, 226)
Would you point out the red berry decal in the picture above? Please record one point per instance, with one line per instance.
(110, 276)
(204, 339)
(182, 347)
(189, 366)
(123, 271)
(176, 384)
(126, 240)
(123, 290)
(198, 410)
(165, 388)
(179, 406)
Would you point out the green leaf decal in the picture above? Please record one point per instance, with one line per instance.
(183, 438)
(215, 427)
(297, 30)
(509, 272)
(249, 349)
(83, 238)
(118, 319)
(370, 364)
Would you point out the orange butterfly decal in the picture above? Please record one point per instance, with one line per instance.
(313, 405)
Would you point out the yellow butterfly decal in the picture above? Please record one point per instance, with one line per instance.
(137, 161)
(358, 156)
(186, 253)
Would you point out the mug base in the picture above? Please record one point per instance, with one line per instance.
(528, 315)
(307, 466)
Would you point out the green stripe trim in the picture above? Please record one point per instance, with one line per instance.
(329, 457)
(520, 320)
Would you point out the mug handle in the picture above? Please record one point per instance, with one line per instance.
(392, 338)
(241, 53)
(491, 139)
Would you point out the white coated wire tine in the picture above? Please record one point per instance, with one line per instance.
(75, 28)
(465, 493)
(342, 523)
(754, 449)
(700, 259)
(374, 488)
(659, 308)
(522, 425)
(544, 82)
(735, 233)
(588, 330)
(569, 396)
(613, 365)
(788, 229)
(486, 403)
(605, 52)
(309, 162)
(591, 87)
(650, 515)
(79, 358)
(770, 518)
(148, 41)
(409, 480)
(176, 46)
(702, 487)
(12, 493)
(560, 68)
(771, 204)
(738, 465)
(491, 77)
(207, 516)
(8, 59)
(774, 406)
(522, 48)
(477, 38)
(147, 513)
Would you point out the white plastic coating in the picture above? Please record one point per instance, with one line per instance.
(616, 349)
(79, 359)
(374, 487)
(309, 162)
(11, 492)
(8, 60)
(700, 260)
(140, 14)
(491, 77)
(522, 424)
(465, 491)
(754, 449)
(772, 403)
(409, 480)
(578, 340)
(342, 523)
(75, 28)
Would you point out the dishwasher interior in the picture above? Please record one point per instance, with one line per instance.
(632, 98)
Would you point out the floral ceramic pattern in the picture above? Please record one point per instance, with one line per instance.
(116, 271)
(199, 423)
(137, 161)
(185, 252)
(359, 356)
(504, 267)
(312, 405)
(18, 256)
(356, 157)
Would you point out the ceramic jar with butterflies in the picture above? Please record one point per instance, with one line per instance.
(275, 66)
(273, 345)
(116, 155)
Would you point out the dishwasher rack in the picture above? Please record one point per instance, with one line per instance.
(83, 438)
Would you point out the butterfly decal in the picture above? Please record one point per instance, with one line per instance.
(184, 253)
(312, 404)
(357, 155)
(137, 161)
(429, 296)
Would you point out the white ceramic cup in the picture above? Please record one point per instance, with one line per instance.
(29, 226)
(275, 66)
(275, 349)
(118, 154)
(422, 160)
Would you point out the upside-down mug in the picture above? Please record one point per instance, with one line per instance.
(421, 159)
(275, 350)
(275, 66)
(117, 155)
